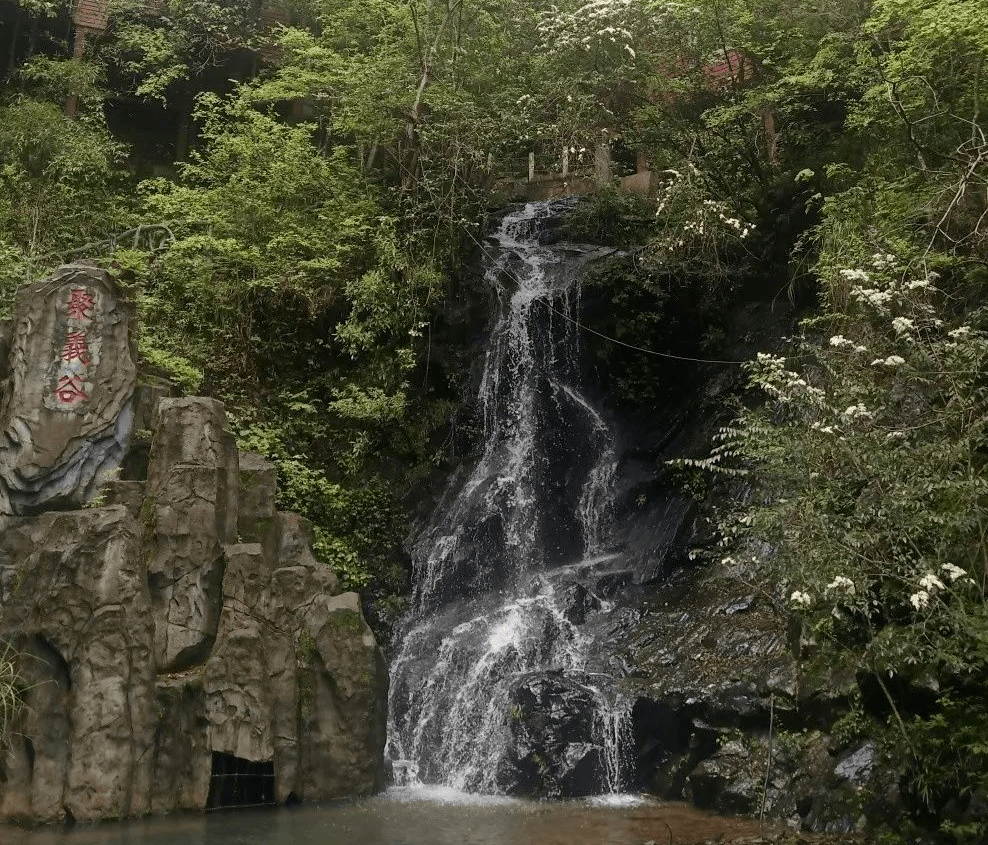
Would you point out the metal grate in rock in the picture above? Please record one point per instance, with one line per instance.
(236, 782)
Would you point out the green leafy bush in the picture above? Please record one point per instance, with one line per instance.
(867, 496)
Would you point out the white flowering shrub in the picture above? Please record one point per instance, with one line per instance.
(598, 25)
(696, 231)
(865, 474)
(596, 45)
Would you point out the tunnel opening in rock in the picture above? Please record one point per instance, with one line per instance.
(235, 782)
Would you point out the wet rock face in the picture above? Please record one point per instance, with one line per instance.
(554, 753)
(798, 777)
(702, 648)
(711, 663)
(164, 663)
(723, 719)
(66, 407)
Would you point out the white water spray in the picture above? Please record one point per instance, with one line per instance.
(493, 602)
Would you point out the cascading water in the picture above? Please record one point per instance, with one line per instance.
(492, 688)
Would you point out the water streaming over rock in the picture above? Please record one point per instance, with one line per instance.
(492, 688)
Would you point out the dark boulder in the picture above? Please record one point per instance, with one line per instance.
(556, 750)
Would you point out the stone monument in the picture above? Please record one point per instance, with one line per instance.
(66, 409)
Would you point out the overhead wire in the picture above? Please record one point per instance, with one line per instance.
(576, 322)
(606, 337)
(639, 348)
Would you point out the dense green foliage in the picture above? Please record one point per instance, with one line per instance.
(316, 185)
(863, 469)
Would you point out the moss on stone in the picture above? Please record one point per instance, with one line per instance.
(147, 515)
(305, 648)
(344, 622)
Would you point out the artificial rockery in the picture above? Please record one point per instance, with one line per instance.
(175, 643)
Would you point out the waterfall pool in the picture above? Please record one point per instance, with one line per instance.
(414, 816)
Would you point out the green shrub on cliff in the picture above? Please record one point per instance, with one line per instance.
(60, 183)
(865, 469)
(867, 484)
(863, 463)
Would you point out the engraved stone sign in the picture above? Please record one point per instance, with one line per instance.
(67, 404)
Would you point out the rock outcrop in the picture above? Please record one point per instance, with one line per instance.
(189, 513)
(66, 410)
(75, 609)
(177, 647)
(555, 752)
(725, 717)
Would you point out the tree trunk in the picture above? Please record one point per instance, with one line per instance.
(409, 179)
(771, 136)
(32, 41)
(184, 130)
(78, 51)
(15, 36)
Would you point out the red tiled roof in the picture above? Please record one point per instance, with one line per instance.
(734, 66)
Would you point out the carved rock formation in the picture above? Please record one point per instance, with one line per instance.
(178, 647)
(75, 608)
(66, 409)
(189, 513)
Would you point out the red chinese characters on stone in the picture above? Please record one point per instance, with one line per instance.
(76, 348)
(69, 390)
(80, 301)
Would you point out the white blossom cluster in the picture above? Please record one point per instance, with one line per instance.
(890, 361)
(800, 599)
(787, 385)
(841, 342)
(842, 583)
(858, 412)
(886, 291)
(592, 25)
(906, 341)
(930, 584)
(854, 276)
(706, 219)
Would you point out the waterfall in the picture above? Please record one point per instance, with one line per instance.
(492, 689)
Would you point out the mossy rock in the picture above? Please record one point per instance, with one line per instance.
(147, 515)
(347, 622)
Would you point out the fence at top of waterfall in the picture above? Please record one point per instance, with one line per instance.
(578, 168)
